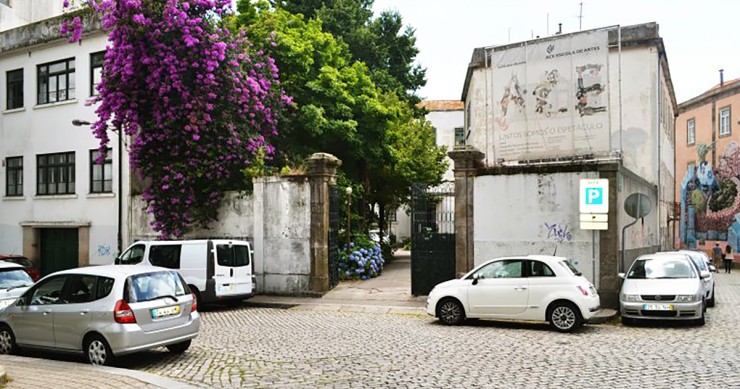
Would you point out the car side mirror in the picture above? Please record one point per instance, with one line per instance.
(621, 275)
(704, 274)
(475, 279)
(712, 268)
(20, 302)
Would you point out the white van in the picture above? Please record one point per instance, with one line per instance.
(216, 270)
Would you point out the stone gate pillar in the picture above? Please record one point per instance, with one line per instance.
(467, 160)
(322, 173)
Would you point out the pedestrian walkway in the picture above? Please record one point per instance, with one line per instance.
(388, 293)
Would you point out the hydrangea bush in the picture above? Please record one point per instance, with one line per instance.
(196, 100)
(361, 260)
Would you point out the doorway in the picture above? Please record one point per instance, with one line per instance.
(59, 249)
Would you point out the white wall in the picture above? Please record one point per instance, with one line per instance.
(35, 129)
(540, 217)
(445, 122)
(21, 12)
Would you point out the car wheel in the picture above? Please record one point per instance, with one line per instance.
(710, 302)
(179, 348)
(97, 351)
(450, 312)
(564, 317)
(628, 321)
(7, 341)
(702, 320)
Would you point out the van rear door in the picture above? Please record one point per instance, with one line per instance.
(233, 269)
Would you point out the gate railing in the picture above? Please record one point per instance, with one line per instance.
(432, 236)
(334, 243)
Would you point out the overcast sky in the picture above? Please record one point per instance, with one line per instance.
(700, 37)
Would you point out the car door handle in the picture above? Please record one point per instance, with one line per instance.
(47, 312)
(520, 288)
(84, 312)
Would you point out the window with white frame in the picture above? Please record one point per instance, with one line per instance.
(690, 132)
(56, 81)
(724, 121)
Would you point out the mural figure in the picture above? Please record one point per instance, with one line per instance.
(589, 84)
(710, 199)
(542, 92)
(513, 93)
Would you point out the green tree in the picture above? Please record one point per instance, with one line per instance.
(388, 49)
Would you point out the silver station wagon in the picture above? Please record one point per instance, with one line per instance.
(102, 312)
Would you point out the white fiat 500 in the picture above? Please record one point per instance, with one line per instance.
(533, 287)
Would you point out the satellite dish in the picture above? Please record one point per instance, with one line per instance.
(637, 205)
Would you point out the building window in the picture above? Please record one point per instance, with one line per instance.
(101, 175)
(690, 132)
(724, 122)
(96, 71)
(14, 97)
(459, 136)
(56, 174)
(14, 176)
(56, 81)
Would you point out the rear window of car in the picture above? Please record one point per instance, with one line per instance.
(568, 265)
(232, 255)
(154, 285)
(14, 278)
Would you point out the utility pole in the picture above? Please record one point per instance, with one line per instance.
(580, 17)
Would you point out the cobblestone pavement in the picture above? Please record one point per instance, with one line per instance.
(268, 347)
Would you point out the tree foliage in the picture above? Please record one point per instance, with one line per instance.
(341, 109)
(197, 101)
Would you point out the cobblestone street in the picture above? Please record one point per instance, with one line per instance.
(267, 347)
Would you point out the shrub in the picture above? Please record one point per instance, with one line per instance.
(362, 260)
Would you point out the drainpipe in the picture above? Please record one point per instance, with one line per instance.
(120, 191)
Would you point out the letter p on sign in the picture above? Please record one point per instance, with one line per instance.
(594, 196)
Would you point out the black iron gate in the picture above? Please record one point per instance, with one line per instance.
(334, 243)
(432, 236)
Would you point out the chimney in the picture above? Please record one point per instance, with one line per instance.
(721, 77)
(560, 29)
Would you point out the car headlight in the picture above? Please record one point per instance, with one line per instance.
(630, 297)
(686, 298)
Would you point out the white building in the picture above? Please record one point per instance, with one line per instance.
(551, 112)
(58, 207)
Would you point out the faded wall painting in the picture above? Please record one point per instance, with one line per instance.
(710, 199)
(550, 98)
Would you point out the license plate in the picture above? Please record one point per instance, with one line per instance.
(226, 288)
(166, 311)
(657, 307)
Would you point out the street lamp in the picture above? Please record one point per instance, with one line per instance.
(119, 243)
(348, 191)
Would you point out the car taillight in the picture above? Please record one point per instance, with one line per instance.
(583, 290)
(195, 303)
(122, 313)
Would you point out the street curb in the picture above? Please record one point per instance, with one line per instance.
(3, 376)
(603, 316)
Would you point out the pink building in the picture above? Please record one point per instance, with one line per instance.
(708, 168)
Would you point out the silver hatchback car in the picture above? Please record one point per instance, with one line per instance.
(102, 312)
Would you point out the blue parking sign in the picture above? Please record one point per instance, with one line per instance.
(594, 195)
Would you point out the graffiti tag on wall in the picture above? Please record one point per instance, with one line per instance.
(104, 250)
(558, 232)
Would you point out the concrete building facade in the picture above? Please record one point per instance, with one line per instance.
(56, 203)
(542, 116)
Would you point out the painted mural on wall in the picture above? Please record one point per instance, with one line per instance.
(710, 199)
(550, 98)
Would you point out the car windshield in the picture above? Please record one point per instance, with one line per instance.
(14, 278)
(661, 268)
(154, 285)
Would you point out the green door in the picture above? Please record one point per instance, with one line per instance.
(59, 249)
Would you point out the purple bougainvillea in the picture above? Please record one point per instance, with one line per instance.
(197, 102)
